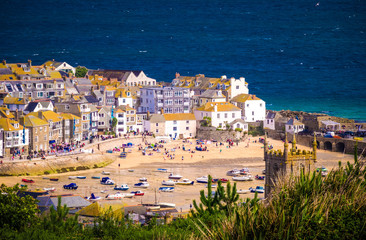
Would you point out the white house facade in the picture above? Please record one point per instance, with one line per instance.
(253, 109)
(221, 113)
(294, 126)
(269, 122)
(180, 125)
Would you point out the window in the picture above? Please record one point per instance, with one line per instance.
(39, 94)
(157, 130)
(187, 122)
(225, 116)
(101, 115)
(233, 115)
(45, 137)
(36, 139)
(174, 122)
(218, 115)
(260, 105)
(157, 124)
(132, 119)
(101, 123)
(40, 129)
(247, 105)
(253, 113)
(237, 87)
(174, 128)
(20, 94)
(120, 115)
(35, 130)
(124, 100)
(238, 125)
(187, 128)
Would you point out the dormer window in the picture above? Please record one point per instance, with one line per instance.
(16, 125)
(128, 94)
(210, 85)
(29, 85)
(218, 86)
(39, 86)
(223, 86)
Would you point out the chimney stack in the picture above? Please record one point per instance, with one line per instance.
(162, 110)
(29, 63)
(177, 75)
(4, 62)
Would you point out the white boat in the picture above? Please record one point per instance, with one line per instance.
(142, 185)
(93, 198)
(106, 173)
(129, 195)
(242, 178)
(115, 196)
(107, 181)
(166, 189)
(244, 171)
(123, 187)
(258, 189)
(166, 205)
(72, 177)
(168, 183)
(184, 182)
(233, 172)
(143, 179)
(174, 176)
(131, 170)
(241, 191)
(52, 189)
(203, 179)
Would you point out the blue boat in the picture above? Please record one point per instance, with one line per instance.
(107, 181)
(95, 177)
(81, 177)
(162, 170)
(166, 189)
(123, 187)
(258, 189)
(71, 186)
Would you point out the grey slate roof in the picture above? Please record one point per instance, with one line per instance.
(271, 115)
(212, 94)
(239, 120)
(156, 118)
(70, 201)
(91, 99)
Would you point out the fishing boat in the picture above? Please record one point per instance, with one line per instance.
(95, 177)
(166, 189)
(258, 189)
(107, 181)
(72, 177)
(166, 205)
(223, 180)
(259, 177)
(174, 176)
(138, 193)
(233, 172)
(142, 185)
(106, 173)
(162, 170)
(116, 196)
(184, 181)
(168, 183)
(143, 179)
(71, 186)
(27, 180)
(131, 170)
(129, 195)
(244, 171)
(93, 198)
(54, 179)
(123, 187)
(242, 178)
(81, 177)
(243, 191)
(46, 178)
(51, 189)
(203, 179)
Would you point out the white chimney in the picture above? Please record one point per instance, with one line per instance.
(223, 77)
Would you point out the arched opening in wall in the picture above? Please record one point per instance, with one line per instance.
(328, 146)
(340, 147)
(317, 144)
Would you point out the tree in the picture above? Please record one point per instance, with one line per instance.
(114, 123)
(210, 202)
(16, 212)
(207, 122)
(80, 71)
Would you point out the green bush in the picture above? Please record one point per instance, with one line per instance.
(238, 130)
(46, 172)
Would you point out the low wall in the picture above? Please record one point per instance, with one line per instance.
(210, 133)
(54, 165)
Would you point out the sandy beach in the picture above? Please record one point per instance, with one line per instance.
(216, 162)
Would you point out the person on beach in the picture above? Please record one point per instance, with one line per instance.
(182, 158)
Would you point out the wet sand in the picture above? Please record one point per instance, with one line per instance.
(216, 162)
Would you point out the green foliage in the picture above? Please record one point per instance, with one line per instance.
(80, 71)
(238, 130)
(256, 131)
(207, 122)
(114, 122)
(16, 212)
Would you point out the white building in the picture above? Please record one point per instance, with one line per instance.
(237, 87)
(60, 66)
(269, 122)
(253, 109)
(39, 105)
(121, 116)
(221, 114)
(1, 142)
(180, 125)
(239, 124)
(16, 137)
(294, 126)
(104, 120)
(124, 97)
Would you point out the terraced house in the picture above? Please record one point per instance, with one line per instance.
(38, 132)
(71, 128)
(55, 124)
(131, 119)
(16, 137)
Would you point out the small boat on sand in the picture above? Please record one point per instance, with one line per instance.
(27, 180)
(138, 193)
(243, 178)
(241, 191)
(131, 170)
(142, 185)
(259, 177)
(116, 196)
(184, 181)
(72, 177)
(168, 183)
(203, 179)
(123, 187)
(106, 173)
(162, 170)
(107, 181)
(93, 198)
(143, 179)
(166, 189)
(95, 177)
(46, 178)
(54, 179)
(258, 189)
(233, 172)
(52, 189)
(81, 177)
(174, 176)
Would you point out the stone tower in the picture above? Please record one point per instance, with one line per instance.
(291, 161)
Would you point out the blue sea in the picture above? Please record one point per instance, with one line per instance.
(298, 55)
